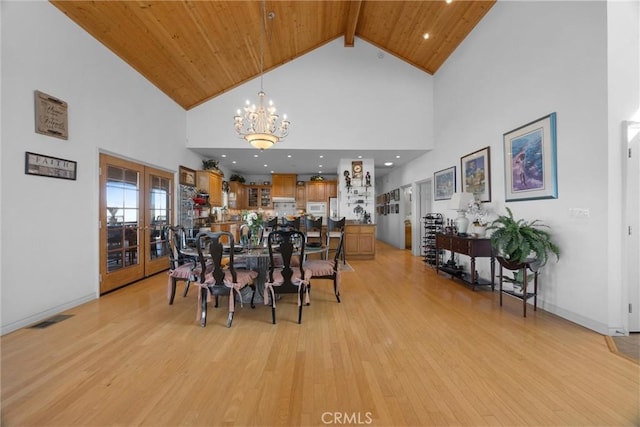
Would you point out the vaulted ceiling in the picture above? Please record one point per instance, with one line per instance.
(196, 50)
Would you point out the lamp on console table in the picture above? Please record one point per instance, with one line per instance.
(460, 202)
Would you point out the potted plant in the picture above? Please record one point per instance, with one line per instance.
(238, 178)
(519, 243)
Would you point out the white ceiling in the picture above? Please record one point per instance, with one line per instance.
(303, 162)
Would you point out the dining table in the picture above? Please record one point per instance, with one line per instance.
(253, 258)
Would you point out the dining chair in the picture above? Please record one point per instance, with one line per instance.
(270, 224)
(327, 269)
(292, 224)
(220, 281)
(313, 230)
(286, 279)
(334, 231)
(181, 267)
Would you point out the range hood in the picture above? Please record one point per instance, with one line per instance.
(283, 199)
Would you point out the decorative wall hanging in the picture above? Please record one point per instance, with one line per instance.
(444, 183)
(356, 170)
(53, 167)
(530, 167)
(476, 174)
(187, 176)
(51, 115)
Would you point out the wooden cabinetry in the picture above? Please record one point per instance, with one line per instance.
(471, 247)
(321, 191)
(211, 183)
(258, 196)
(301, 197)
(360, 241)
(237, 195)
(283, 185)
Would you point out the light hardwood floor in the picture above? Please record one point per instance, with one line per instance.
(404, 348)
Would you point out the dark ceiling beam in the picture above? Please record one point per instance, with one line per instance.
(352, 22)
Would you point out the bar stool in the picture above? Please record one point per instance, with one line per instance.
(335, 228)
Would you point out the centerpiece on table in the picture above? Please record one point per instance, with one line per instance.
(479, 216)
(255, 222)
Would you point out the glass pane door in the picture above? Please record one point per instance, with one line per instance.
(159, 185)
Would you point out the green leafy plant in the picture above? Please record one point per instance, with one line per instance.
(519, 241)
(210, 164)
(236, 177)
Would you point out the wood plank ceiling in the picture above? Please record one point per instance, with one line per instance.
(196, 50)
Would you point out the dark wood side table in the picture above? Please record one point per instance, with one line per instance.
(525, 295)
(471, 247)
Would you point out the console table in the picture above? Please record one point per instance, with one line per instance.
(471, 247)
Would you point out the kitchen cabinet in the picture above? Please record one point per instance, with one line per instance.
(283, 185)
(258, 196)
(321, 191)
(237, 195)
(360, 241)
(210, 182)
(301, 197)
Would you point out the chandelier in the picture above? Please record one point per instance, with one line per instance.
(258, 124)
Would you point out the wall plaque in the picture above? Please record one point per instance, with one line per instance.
(51, 116)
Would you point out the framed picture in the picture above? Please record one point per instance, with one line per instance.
(53, 167)
(476, 174)
(530, 167)
(444, 183)
(187, 176)
(51, 116)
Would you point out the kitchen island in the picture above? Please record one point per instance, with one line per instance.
(359, 240)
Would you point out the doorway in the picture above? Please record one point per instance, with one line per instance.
(135, 206)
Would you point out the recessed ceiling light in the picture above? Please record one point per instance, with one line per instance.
(425, 36)
(388, 163)
(255, 155)
(266, 166)
(289, 155)
(319, 166)
(448, 1)
(234, 162)
(319, 171)
(224, 155)
(359, 157)
(321, 156)
(272, 172)
(397, 157)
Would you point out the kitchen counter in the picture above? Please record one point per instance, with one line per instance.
(359, 240)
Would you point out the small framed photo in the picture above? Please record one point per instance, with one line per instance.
(187, 176)
(444, 183)
(53, 167)
(530, 166)
(476, 174)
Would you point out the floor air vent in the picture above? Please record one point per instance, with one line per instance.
(51, 321)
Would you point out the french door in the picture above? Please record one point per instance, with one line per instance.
(135, 205)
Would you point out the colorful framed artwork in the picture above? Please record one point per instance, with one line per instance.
(444, 183)
(52, 167)
(476, 174)
(187, 176)
(530, 164)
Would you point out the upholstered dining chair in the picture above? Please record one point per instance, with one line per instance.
(334, 231)
(220, 281)
(327, 269)
(286, 278)
(181, 267)
(313, 230)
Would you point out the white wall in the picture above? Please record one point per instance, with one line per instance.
(343, 97)
(49, 241)
(510, 71)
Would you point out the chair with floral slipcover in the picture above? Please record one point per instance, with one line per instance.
(287, 278)
(181, 267)
(327, 269)
(220, 281)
